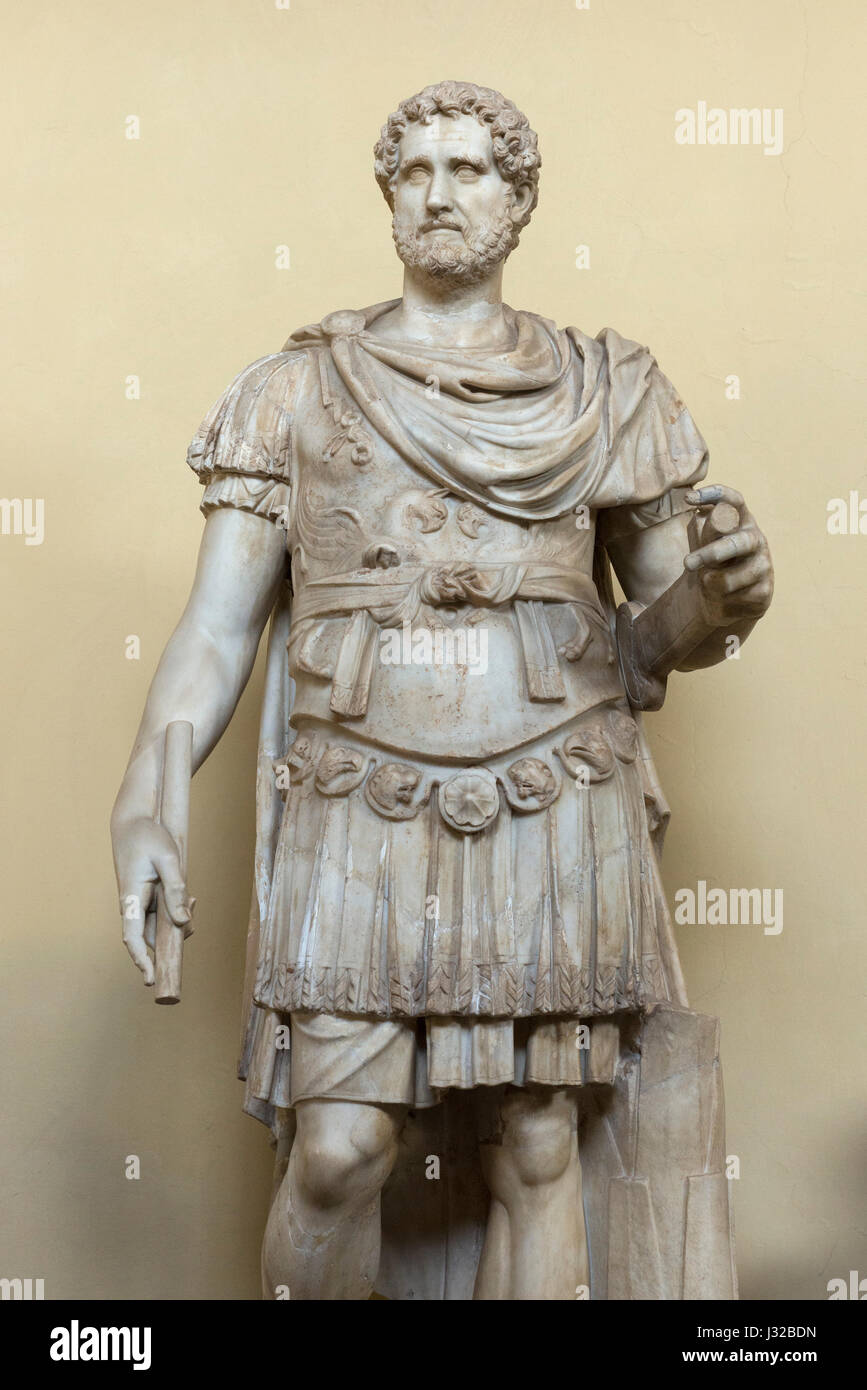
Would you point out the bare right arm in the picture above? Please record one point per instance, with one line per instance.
(201, 677)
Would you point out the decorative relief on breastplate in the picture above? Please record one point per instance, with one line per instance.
(391, 791)
(585, 620)
(299, 762)
(531, 785)
(348, 421)
(430, 511)
(575, 648)
(623, 732)
(589, 752)
(470, 800)
(349, 432)
(340, 770)
(470, 518)
(329, 534)
(381, 555)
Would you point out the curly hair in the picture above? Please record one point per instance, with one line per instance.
(516, 147)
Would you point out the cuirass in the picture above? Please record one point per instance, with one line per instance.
(422, 621)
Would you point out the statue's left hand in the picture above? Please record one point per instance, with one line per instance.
(736, 571)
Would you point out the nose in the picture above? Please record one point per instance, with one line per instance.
(439, 196)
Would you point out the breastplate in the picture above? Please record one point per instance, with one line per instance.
(421, 620)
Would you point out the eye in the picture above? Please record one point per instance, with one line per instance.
(466, 172)
(416, 174)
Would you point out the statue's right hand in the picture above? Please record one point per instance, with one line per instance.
(145, 857)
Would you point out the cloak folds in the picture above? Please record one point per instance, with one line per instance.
(557, 421)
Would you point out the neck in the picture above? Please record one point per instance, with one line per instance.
(449, 315)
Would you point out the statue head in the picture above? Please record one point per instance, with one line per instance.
(459, 167)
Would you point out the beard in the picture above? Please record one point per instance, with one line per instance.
(456, 263)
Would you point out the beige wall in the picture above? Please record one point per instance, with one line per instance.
(156, 258)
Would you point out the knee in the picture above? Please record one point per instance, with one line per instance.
(338, 1161)
(539, 1136)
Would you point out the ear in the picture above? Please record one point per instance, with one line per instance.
(522, 198)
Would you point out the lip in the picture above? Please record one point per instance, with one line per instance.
(429, 231)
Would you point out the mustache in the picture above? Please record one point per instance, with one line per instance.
(441, 224)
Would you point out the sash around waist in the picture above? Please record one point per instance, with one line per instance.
(393, 596)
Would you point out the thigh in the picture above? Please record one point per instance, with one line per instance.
(337, 1057)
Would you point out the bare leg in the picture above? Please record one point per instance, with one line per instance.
(536, 1243)
(493, 1280)
(323, 1233)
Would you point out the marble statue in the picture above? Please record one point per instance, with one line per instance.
(465, 1019)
